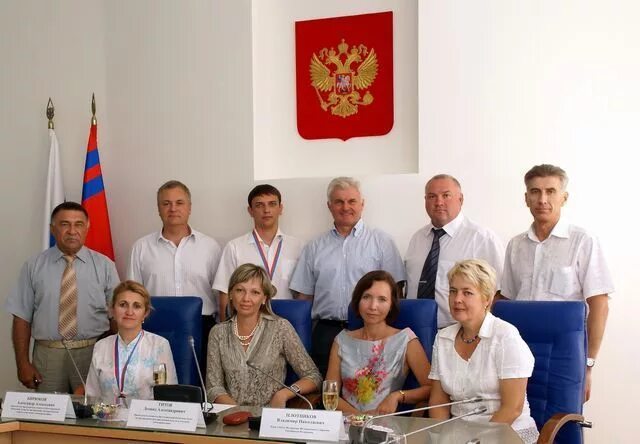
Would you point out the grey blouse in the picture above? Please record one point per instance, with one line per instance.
(274, 345)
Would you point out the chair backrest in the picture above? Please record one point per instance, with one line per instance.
(175, 319)
(298, 313)
(420, 315)
(556, 334)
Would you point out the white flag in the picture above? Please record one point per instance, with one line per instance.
(55, 188)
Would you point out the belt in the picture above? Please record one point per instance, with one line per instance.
(334, 322)
(80, 343)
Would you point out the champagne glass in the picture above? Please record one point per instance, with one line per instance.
(330, 394)
(160, 373)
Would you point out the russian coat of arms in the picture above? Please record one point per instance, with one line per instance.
(341, 78)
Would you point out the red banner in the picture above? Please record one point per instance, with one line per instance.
(344, 76)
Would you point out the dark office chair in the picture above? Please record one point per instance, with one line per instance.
(175, 319)
(556, 335)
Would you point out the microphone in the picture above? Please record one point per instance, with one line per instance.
(360, 438)
(209, 416)
(280, 383)
(476, 411)
(81, 410)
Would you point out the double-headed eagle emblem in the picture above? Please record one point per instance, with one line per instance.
(342, 82)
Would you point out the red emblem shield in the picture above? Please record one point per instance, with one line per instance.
(344, 76)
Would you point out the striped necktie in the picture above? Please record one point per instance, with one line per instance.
(68, 316)
(427, 284)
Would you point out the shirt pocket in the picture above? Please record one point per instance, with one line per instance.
(562, 281)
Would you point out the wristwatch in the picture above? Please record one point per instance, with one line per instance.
(591, 362)
(295, 388)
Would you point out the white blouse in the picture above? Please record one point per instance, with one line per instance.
(501, 354)
(138, 379)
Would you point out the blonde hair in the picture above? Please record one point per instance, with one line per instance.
(247, 272)
(479, 273)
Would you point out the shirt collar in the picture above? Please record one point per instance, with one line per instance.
(193, 234)
(124, 346)
(251, 240)
(486, 330)
(451, 228)
(82, 254)
(357, 230)
(560, 230)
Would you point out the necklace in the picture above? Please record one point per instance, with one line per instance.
(467, 341)
(244, 340)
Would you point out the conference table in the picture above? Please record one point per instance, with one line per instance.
(73, 431)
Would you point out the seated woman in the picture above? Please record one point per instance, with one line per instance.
(372, 363)
(122, 364)
(481, 355)
(256, 335)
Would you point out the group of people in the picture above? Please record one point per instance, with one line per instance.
(64, 299)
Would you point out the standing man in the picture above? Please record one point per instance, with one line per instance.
(265, 246)
(556, 261)
(331, 265)
(178, 260)
(63, 294)
(448, 238)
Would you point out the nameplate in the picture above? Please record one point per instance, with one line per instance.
(306, 425)
(38, 406)
(164, 415)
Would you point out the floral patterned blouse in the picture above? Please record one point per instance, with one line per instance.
(138, 377)
(371, 370)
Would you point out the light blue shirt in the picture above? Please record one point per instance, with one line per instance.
(331, 265)
(36, 298)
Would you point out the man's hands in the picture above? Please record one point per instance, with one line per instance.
(28, 375)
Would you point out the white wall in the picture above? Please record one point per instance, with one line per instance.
(278, 149)
(503, 85)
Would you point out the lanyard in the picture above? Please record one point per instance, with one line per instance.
(116, 366)
(270, 270)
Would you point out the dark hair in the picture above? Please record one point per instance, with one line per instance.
(263, 190)
(69, 206)
(366, 282)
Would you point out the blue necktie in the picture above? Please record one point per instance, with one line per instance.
(427, 285)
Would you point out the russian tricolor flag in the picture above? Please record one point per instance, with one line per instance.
(94, 199)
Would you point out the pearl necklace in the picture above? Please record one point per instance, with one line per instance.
(244, 340)
(468, 341)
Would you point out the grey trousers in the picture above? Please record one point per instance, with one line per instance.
(58, 374)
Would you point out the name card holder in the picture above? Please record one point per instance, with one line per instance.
(307, 425)
(37, 406)
(165, 415)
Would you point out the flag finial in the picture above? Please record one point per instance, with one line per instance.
(94, 121)
(50, 113)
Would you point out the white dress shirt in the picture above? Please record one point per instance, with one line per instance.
(244, 250)
(185, 270)
(463, 240)
(501, 354)
(569, 265)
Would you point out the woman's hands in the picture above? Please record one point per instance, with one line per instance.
(280, 398)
